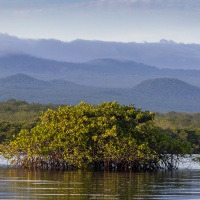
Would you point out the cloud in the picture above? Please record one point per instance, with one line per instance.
(22, 7)
(153, 4)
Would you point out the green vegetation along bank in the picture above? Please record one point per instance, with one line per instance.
(108, 136)
(17, 114)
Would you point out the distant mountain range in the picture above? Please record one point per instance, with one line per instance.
(163, 94)
(163, 54)
(163, 76)
(101, 72)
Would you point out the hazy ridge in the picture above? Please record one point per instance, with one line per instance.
(163, 54)
(164, 94)
(100, 72)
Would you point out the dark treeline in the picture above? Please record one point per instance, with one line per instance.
(108, 136)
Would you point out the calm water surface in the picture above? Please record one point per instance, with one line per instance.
(81, 185)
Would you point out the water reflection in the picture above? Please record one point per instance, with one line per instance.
(80, 185)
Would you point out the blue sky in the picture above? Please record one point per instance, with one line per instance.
(107, 20)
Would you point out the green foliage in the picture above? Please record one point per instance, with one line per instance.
(21, 111)
(181, 126)
(178, 120)
(86, 135)
(8, 130)
(16, 115)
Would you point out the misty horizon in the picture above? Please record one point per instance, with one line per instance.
(104, 20)
(162, 40)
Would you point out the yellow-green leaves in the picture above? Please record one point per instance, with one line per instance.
(83, 135)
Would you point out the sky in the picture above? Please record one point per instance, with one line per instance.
(105, 20)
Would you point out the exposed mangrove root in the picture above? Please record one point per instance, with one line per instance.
(137, 165)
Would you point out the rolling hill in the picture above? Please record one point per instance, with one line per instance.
(167, 94)
(162, 94)
(24, 87)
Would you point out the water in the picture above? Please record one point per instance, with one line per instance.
(179, 184)
(80, 185)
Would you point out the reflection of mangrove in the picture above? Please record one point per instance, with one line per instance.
(35, 184)
(104, 137)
